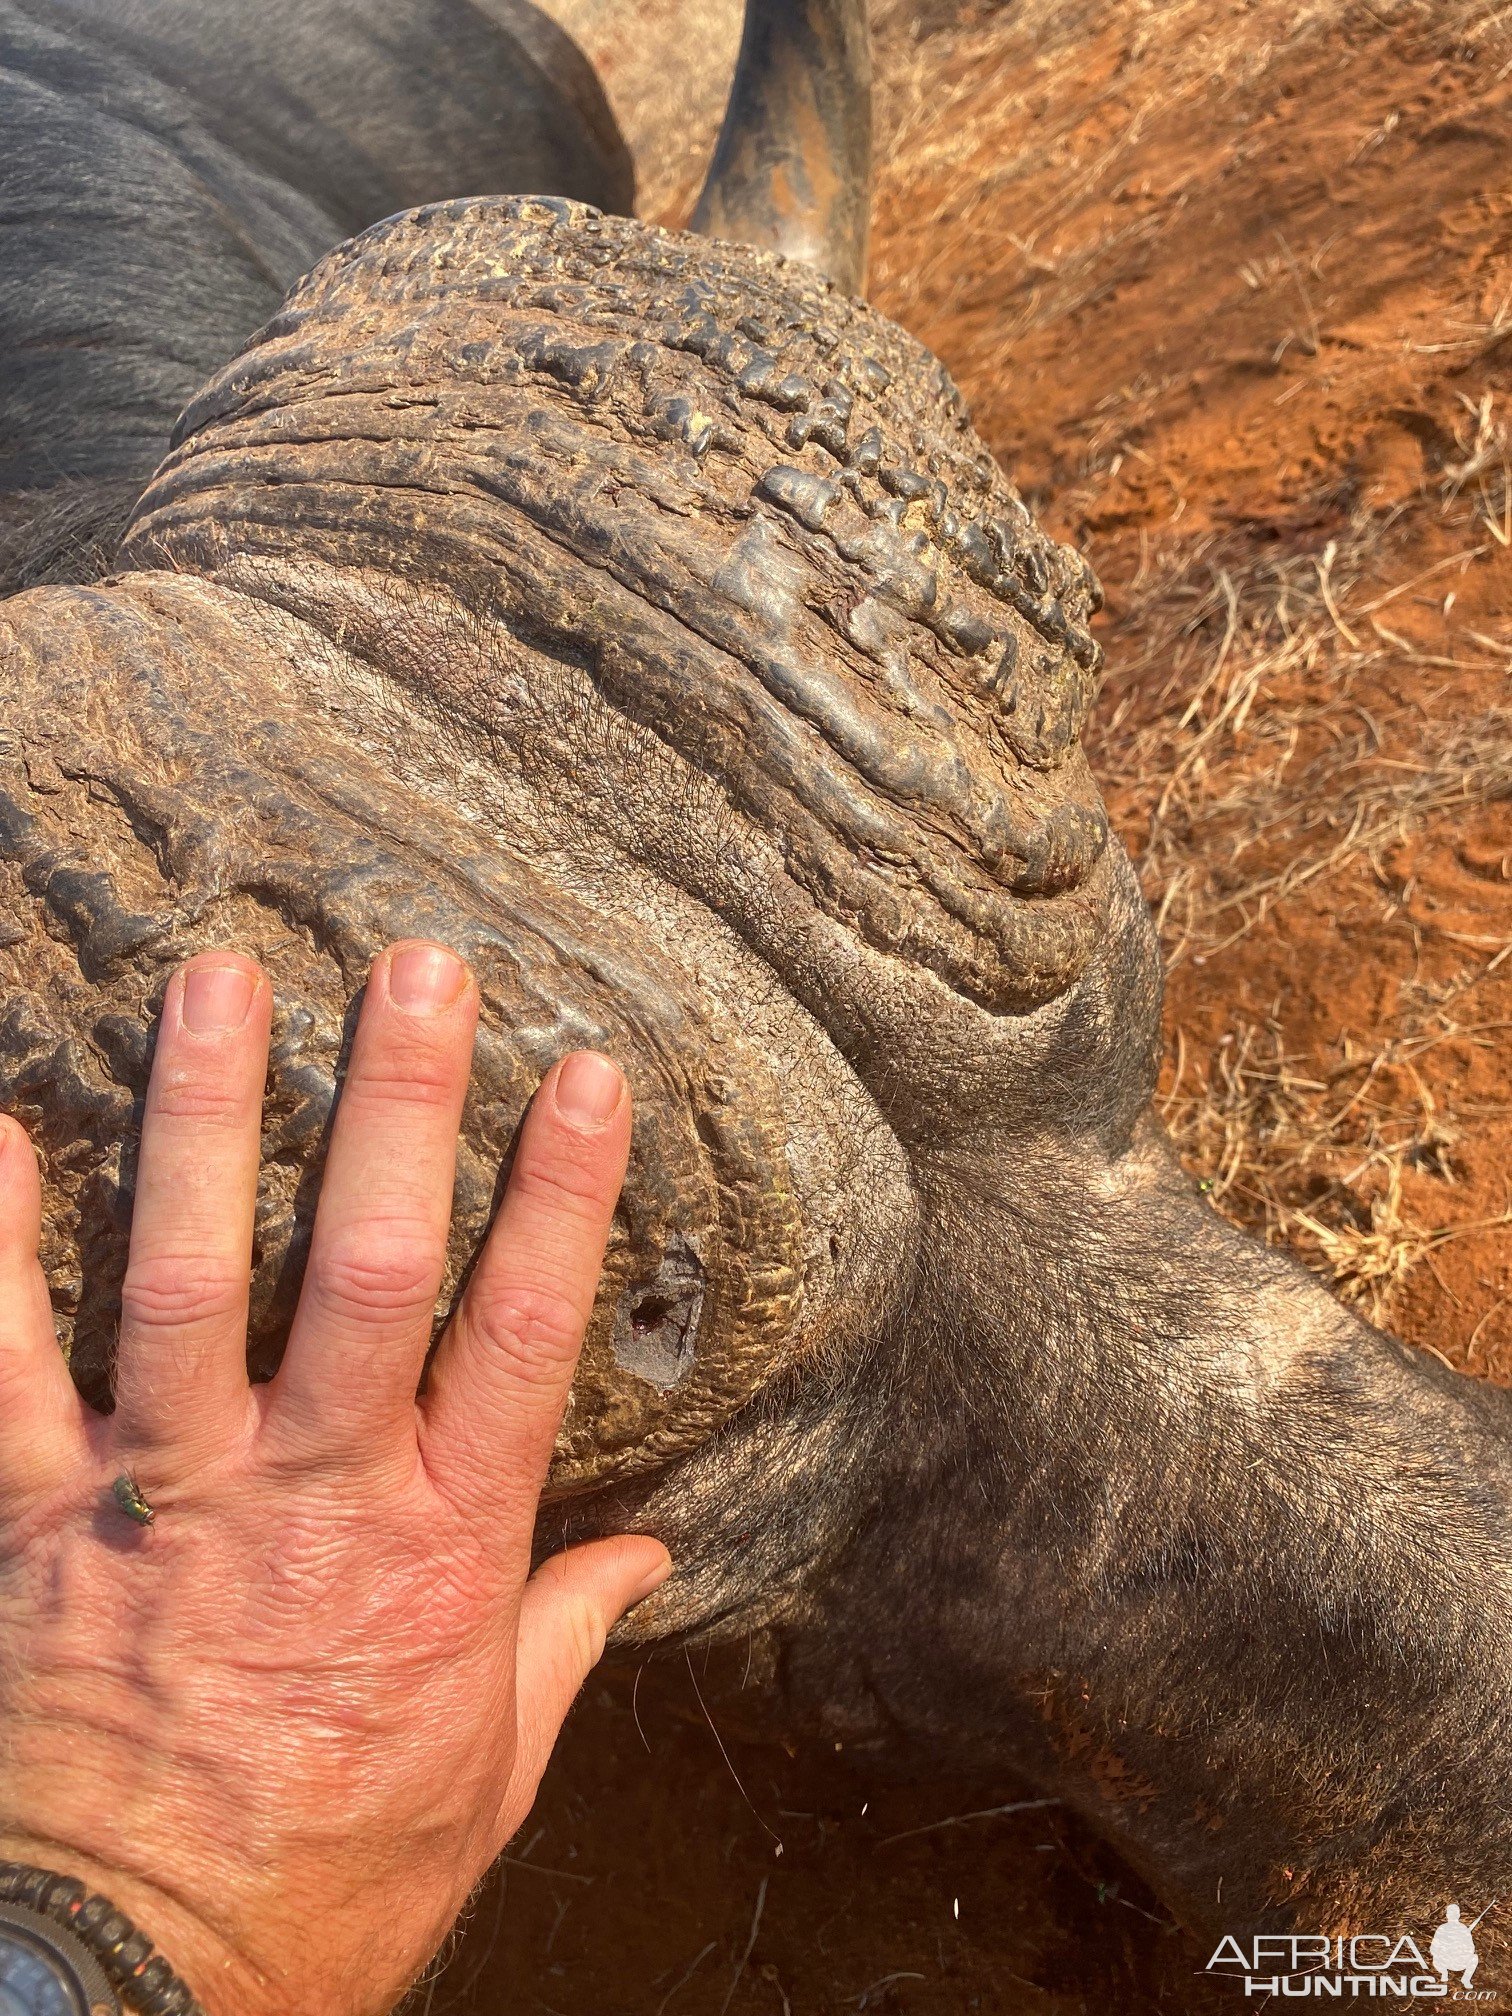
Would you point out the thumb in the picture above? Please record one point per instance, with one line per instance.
(569, 1607)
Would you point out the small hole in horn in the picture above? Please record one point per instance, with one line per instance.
(656, 1324)
(649, 1312)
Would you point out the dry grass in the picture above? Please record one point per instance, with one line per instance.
(1250, 770)
(971, 110)
(1237, 720)
(1317, 1162)
(1290, 712)
(1485, 471)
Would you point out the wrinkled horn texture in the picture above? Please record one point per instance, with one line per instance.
(640, 615)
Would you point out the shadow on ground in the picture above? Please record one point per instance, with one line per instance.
(649, 1882)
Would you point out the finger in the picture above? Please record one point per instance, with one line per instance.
(570, 1605)
(379, 1246)
(41, 1416)
(181, 1365)
(500, 1379)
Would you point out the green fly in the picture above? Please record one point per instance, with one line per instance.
(128, 1495)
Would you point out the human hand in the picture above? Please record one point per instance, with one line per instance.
(287, 1725)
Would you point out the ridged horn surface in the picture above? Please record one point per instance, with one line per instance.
(644, 618)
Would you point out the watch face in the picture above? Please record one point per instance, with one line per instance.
(35, 1983)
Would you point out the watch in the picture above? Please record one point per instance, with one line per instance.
(67, 1951)
(46, 1970)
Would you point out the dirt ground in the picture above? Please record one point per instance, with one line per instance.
(1228, 285)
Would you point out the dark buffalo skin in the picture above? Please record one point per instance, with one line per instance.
(169, 167)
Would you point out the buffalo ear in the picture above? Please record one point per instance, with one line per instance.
(792, 167)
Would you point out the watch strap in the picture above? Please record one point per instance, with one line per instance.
(142, 1979)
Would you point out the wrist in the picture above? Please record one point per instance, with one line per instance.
(94, 1787)
(222, 1980)
(234, 1892)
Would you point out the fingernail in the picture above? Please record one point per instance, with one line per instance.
(425, 979)
(653, 1580)
(216, 998)
(588, 1089)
